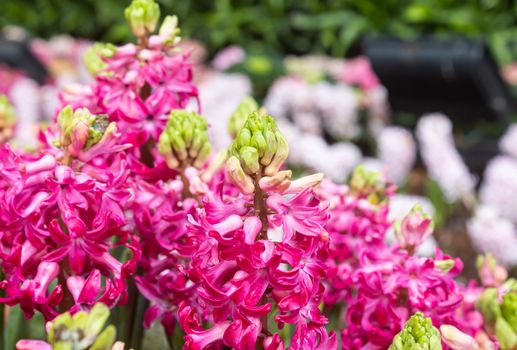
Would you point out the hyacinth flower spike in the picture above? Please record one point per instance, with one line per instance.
(138, 85)
(242, 278)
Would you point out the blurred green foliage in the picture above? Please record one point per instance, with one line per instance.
(285, 26)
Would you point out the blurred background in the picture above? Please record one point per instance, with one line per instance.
(349, 81)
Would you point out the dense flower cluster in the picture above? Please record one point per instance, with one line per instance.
(61, 217)
(382, 286)
(224, 245)
(256, 252)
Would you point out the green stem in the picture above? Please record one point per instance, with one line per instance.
(137, 334)
(130, 311)
(3, 329)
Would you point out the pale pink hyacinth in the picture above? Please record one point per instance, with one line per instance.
(508, 143)
(25, 96)
(379, 112)
(316, 108)
(442, 160)
(289, 96)
(337, 104)
(220, 94)
(397, 151)
(228, 57)
(492, 233)
(499, 186)
(310, 151)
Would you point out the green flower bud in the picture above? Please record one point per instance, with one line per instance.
(369, 184)
(488, 305)
(80, 130)
(281, 153)
(509, 307)
(98, 127)
(258, 144)
(164, 147)
(486, 259)
(237, 120)
(7, 115)
(203, 155)
(444, 265)
(249, 157)
(92, 58)
(505, 334)
(106, 339)
(83, 330)
(142, 16)
(185, 140)
(271, 148)
(490, 273)
(238, 176)
(418, 334)
(170, 30)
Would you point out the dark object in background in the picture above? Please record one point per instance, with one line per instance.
(16, 54)
(456, 76)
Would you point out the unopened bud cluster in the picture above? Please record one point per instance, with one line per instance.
(237, 120)
(142, 16)
(258, 150)
(80, 130)
(185, 142)
(418, 334)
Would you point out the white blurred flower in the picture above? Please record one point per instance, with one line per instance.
(310, 151)
(378, 109)
(220, 94)
(373, 164)
(508, 143)
(338, 106)
(307, 122)
(400, 206)
(397, 151)
(344, 157)
(499, 186)
(288, 95)
(443, 161)
(492, 233)
(25, 97)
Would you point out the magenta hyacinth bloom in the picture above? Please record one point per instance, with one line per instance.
(59, 225)
(383, 286)
(137, 87)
